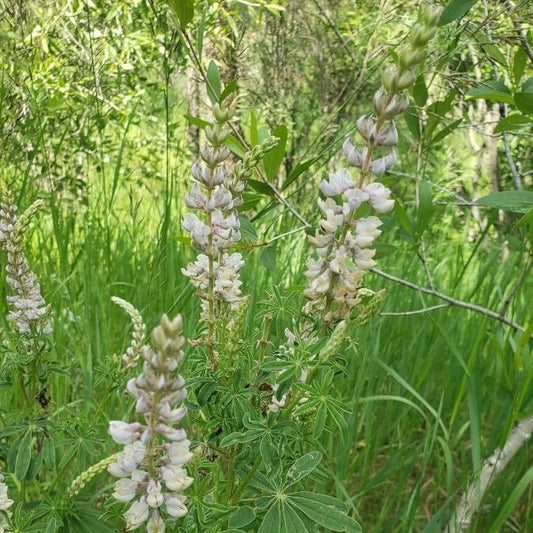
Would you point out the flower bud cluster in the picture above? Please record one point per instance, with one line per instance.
(5, 504)
(28, 308)
(150, 466)
(133, 352)
(344, 243)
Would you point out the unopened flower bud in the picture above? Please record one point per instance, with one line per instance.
(431, 15)
(409, 56)
(222, 114)
(389, 79)
(421, 35)
(406, 80)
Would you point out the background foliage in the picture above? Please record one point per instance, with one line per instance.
(94, 99)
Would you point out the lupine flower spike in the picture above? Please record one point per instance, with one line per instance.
(344, 243)
(150, 467)
(216, 193)
(28, 308)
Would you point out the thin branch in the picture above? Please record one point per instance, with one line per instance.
(493, 467)
(277, 237)
(521, 34)
(417, 311)
(514, 171)
(452, 301)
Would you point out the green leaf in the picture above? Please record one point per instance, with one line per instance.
(455, 10)
(199, 122)
(512, 501)
(235, 145)
(299, 169)
(268, 257)
(516, 201)
(494, 90)
(230, 88)
(404, 219)
(525, 220)
(22, 462)
(413, 122)
(247, 230)
(420, 91)
(35, 466)
(495, 53)
(261, 187)
(214, 85)
(320, 421)
(444, 132)
(512, 122)
(272, 521)
(238, 437)
(184, 10)
(425, 207)
(242, 517)
(519, 64)
(254, 134)
(273, 159)
(324, 511)
(524, 102)
(293, 522)
(303, 466)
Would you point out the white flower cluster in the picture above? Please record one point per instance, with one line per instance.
(5, 504)
(216, 193)
(150, 467)
(344, 243)
(28, 308)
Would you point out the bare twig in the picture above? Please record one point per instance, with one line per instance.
(493, 467)
(417, 311)
(452, 301)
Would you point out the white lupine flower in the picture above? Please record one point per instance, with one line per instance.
(154, 496)
(355, 198)
(379, 166)
(338, 183)
(198, 230)
(354, 158)
(363, 258)
(124, 433)
(137, 514)
(175, 505)
(156, 451)
(125, 489)
(379, 197)
(366, 231)
(156, 524)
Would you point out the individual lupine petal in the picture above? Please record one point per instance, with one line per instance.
(329, 205)
(178, 452)
(175, 504)
(332, 222)
(355, 198)
(379, 197)
(388, 136)
(171, 415)
(386, 106)
(366, 126)
(156, 524)
(198, 230)
(125, 489)
(379, 166)
(154, 496)
(195, 198)
(124, 433)
(176, 478)
(221, 198)
(338, 183)
(366, 230)
(214, 156)
(137, 514)
(353, 157)
(363, 258)
(171, 433)
(128, 460)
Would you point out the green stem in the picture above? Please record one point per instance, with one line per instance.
(246, 480)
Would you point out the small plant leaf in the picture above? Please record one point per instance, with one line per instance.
(242, 517)
(303, 466)
(184, 10)
(516, 201)
(214, 85)
(494, 90)
(273, 159)
(455, 10)
(22, 462)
